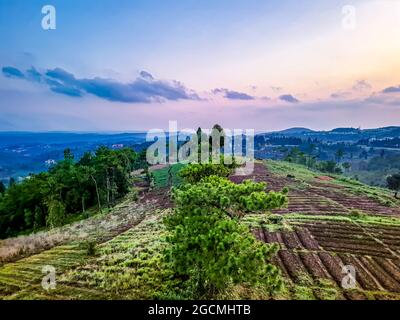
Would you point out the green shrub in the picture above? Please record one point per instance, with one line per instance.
(90, 247)
(209, 247)
(193, 173)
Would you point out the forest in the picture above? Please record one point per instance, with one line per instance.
(70, 187)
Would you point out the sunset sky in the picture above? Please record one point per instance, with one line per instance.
(262, 64)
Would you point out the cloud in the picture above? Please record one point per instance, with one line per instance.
(361, 85)
(144, 89)
(146, 75)
(384, 99)
(33, 75)
(233, 95)
(394, 89)
(388, 96)
(276, 89)
(340, 94)
(288, 98)
(12, 72)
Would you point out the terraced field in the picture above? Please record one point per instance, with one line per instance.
(327, 226)
(330, 223)
(22, 279)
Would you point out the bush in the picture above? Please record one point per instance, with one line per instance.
(193, 173)
(90, 247)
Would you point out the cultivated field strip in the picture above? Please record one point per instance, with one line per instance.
(323, 238)
(346, 199)
(316, 197)
(320, 250)
(22, 279)
(308, 202)
(20, 275)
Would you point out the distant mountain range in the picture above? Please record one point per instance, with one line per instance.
(339, 134)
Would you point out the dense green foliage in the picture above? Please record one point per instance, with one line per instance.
(69, 187)
(209, 247)
(308, 159)
(2, 187)
(195, 172)
(394, 183)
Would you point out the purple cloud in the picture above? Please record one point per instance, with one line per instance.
(288, 98)
(391, 89)
(144, 89)
(361, 85)
(233, 95)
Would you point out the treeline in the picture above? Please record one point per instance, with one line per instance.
(381, 143)
(69, 187)
(295, 155)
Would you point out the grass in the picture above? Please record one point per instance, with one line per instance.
(103, 225)
(363, 219)
(118, 255)
(161, 176)
(304, 177)
(307, 288)
(127, 266)
(270, 222)
(86, 270)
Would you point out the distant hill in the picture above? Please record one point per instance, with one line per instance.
(296, 130)
(339, 134)
(22, 153)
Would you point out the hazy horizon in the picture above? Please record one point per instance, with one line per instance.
(145, 131)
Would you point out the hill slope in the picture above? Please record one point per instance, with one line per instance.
(330, 222)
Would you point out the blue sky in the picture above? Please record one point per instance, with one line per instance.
(135, 65)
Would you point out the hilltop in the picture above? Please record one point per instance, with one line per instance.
(331, 221)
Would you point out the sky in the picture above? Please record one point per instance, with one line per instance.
(116, 65)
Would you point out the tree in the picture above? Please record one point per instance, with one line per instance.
(363, 155)
(329, 166)
(2, 187)
(346, 166)
(393, 183)
(194, 172)
(339, 154)
(68, 155)
(69, 187)
(56, 217)
(209, 247)
(218, 132)
(11, 182)
(296, 156)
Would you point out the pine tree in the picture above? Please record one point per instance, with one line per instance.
(209, 247)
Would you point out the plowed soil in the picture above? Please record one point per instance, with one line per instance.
(318, 248)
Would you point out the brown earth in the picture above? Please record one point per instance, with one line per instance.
(319, 248)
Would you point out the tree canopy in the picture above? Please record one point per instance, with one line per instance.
(69, 187)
